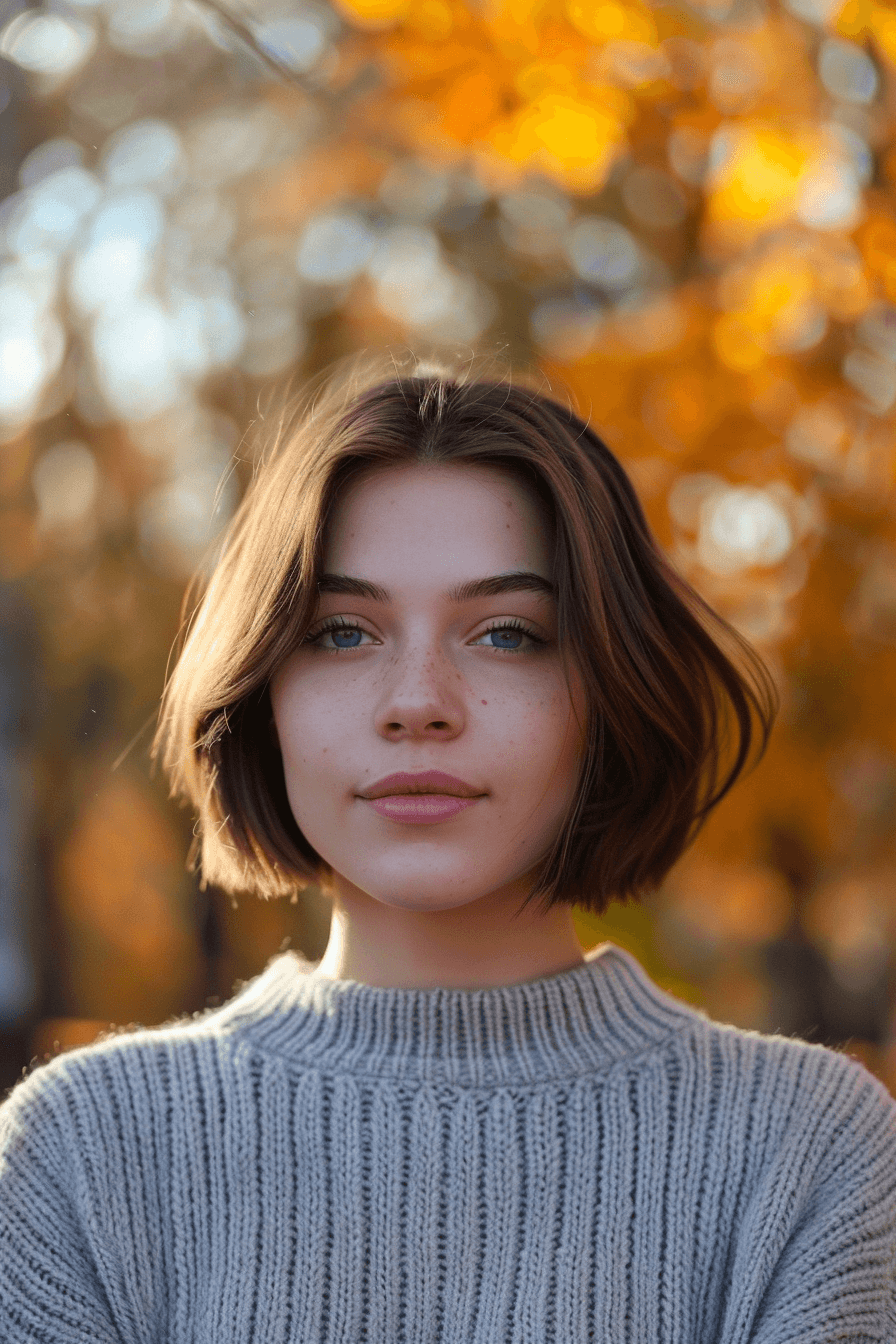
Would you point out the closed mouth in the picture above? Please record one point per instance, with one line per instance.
(404, 784)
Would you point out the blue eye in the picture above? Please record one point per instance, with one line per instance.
(502, 638)
(511, 631)
(341, 631)
(353, 635)
(508, 636)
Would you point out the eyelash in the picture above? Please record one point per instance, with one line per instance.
(337, 623)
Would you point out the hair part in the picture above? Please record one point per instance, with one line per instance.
(675, 694)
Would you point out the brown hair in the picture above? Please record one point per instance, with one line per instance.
(661, 691)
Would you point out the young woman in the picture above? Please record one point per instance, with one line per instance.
(442, 668)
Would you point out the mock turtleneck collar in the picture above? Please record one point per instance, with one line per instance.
(559, 1026)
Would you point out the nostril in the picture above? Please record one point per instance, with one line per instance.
(437, 725)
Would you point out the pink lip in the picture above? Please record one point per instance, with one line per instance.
(425, 782)
(420, 808)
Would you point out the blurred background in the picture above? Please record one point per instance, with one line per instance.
(680, 213)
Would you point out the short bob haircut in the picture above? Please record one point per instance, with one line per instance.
(661, 693)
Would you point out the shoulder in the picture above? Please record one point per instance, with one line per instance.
(797, 1072)
(755, 1065)
(115, 1084)
(788, 1099)
(800, 1149)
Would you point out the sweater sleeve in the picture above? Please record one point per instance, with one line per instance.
(51, 1283)
(835, 1276)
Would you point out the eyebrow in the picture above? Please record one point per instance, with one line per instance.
(516, 581)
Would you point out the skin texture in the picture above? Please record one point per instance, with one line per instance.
(425, 686)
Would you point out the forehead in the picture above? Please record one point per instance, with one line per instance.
(417, 518)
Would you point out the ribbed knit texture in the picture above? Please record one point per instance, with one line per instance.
(580, 1157)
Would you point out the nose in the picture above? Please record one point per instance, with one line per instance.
(422, 697)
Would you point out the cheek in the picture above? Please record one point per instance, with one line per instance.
(568, 719)
(543, 737)
(310, 721)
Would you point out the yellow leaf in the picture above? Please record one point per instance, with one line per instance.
(373, 14)
(601, 20)
(560, 133)
(470, 106)
(431, 19)
(854, 18)
(865, 18)
(541, 77)
(736, 344)
(883, 26)
(513, 27)
(761, 176)
(779, 285)
(877, 243)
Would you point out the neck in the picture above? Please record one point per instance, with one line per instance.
(481, 944)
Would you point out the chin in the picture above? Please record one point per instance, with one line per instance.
(428, 906)
(422, 889)
(425, 896)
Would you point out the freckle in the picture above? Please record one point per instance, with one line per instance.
(485, 702)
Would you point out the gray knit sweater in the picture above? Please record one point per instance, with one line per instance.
(580, 1157)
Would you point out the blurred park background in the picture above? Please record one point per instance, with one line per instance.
(680, 214)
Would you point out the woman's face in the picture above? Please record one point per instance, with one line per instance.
(419, 676)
